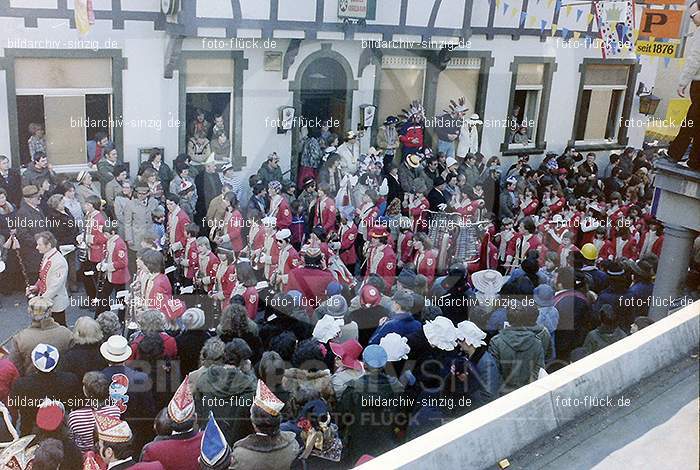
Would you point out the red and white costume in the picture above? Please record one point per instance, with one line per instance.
(117, 267)
(250, 297)
(368, 215)
(348, 235)
(519, 245)
(416, 211)
(226, 282)
(177, 221)
(650, 242)
(382, 261)
(325, 214)
(405, 247)
(191, 258)
(288, 259)
(95, 239)
(207, 266)
(426, 264)
(234, 223)
(279, 208)
(158, 295)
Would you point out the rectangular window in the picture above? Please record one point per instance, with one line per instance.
(402, 81)
(529, 90)
(70, 98)
(209, 89)
(601, 104)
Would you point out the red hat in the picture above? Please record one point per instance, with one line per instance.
(50, 415)
(348, 352)
(370, 296)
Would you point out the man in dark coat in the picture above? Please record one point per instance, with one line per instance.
(436, 197)
(209, 186)
(29, 221)
(371, 424)
(29, 391)
(227, 391)
(517, 349)
(10, 181)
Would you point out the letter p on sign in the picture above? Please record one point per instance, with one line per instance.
(661, 23)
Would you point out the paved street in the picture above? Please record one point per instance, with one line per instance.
(659, 429)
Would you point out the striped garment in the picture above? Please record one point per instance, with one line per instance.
(81, 423)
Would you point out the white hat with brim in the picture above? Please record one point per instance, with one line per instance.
(396, 347)
(471, 334)
(116, 349)
(327, 328)
(441, 333)
(488, 281)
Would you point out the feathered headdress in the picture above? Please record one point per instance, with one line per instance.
(458, 107)
(415, 112)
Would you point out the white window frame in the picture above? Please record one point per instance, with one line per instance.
(622, 88)
(532, 141)
(214, 89)
(68, 93)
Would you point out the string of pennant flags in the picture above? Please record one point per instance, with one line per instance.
(556, 8)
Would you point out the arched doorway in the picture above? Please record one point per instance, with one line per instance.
(323, 88)
(323, 94)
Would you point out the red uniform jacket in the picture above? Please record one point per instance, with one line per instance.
(426, 264)
(250, 296)
(192, 256)
(655, 246)
(416, 213)
(325, 214)
(368, 216)
(531, 208)
(279, 208)
(94, 237)
(234, 226)
(558, 205)
(288, 260)
(159, 296)
(311, 283)
(518, 247)
(207, 267)
(177, 222)
(610, 251)
(382, 261)
(411, 132)
(117, 256)
(406, 247)
(348, 236)
(179, 452)
(227, 282)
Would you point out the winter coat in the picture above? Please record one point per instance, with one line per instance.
(360, 437)
(520, 356)
(29, 221)
(82, 358)
(602, 337)
(32, 175)
(63, 226)
(228, 393)
(31, 389)
(296, 380)
(178, 452)
(13, 185)
(267, 174)
(138, 221)
(484, 380)
(47, 331)
(402, 323)
(262, 452)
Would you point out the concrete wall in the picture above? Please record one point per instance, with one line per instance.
(483, 437)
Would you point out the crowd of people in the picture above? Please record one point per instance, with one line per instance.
(275, 324)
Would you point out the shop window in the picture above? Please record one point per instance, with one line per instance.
(402, 81)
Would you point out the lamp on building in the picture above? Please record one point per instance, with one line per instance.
(367, 113)
(286, 119)
(648, 102)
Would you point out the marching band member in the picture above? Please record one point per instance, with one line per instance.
(425, 258)
(190, 258)
(324, 210)
(247, 282)
(176, 228)
(404, 245)
(288, 259)
(279, 206)
(256, 234)
(268, 254)
(622, 245)
(525, 240)
(115, 266)
(567, 247)
(502, 238)
(232, 225)
(368, 213)
(53, 273)
(529, 203)
(337, 268)
(652, 240)
(226, 278)
(347, 235)
(96, 242)
(207, 265)
(381, 259)
(156, 291)
(417, 204)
